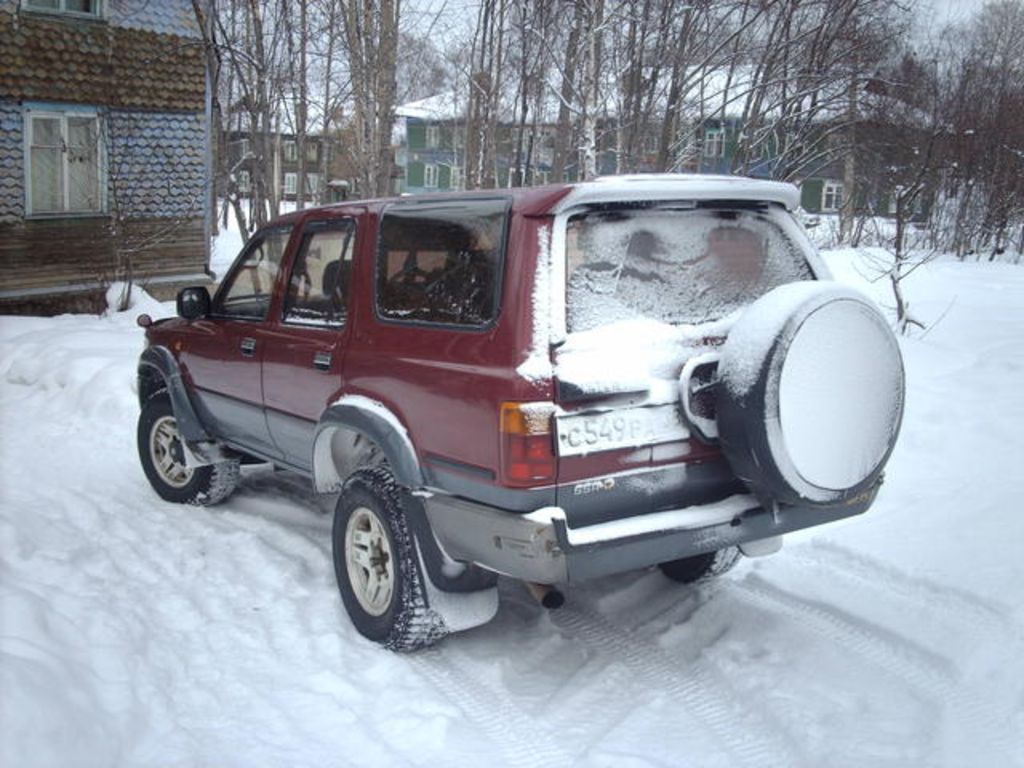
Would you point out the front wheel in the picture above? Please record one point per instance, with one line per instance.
(689, 570)
(162, 454)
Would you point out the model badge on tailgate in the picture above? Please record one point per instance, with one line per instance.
(593, 486)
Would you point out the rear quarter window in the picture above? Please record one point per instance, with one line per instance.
(442, 263)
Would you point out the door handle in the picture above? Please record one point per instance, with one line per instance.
(248, 347)
(322, 361)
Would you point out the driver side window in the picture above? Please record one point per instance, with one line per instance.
(247, 291)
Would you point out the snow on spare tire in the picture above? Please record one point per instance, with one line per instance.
(810, 394)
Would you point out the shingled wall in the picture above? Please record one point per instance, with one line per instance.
(47, 58)
(157, 164)
(12, 171)
(142, 67)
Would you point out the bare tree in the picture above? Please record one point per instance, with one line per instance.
(371, 42)
(532, 26)
(487, 57)
(569, 93)
(981, 208)
(297, 41)
(908, 139)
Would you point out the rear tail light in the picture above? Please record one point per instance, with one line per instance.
(527, 445)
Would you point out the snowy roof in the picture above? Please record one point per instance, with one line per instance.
(441, 106)
(678, 186)
(711, 92)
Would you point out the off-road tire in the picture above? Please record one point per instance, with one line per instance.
(207, 485)
(690, 570)
(407, 623)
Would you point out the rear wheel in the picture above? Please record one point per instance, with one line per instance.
(377, 567)
(162, 454)
(689, 570)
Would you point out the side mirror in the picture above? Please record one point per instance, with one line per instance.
(193, 303)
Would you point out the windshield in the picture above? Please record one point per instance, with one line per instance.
(677, 266)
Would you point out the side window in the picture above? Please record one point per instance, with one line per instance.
(442, 262)
(321, 275)
(247, 290)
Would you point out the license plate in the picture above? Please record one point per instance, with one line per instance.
(597, 431)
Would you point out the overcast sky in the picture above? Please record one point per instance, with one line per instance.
(423, 15)
(955, 10)
(934, 15)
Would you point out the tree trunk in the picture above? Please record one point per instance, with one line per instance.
(567, 97)
(847, 211)
(591, 90)
(301, 106)
(371, 40)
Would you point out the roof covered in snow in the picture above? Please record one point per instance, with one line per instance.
(678, 186)
(441, 106)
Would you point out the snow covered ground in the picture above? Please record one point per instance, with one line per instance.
(138, 633)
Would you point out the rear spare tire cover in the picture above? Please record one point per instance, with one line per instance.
(810, 394)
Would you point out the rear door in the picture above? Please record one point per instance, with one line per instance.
(223, 354)
(647, 289)
(302, 361)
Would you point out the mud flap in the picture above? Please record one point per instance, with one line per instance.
(458, 610)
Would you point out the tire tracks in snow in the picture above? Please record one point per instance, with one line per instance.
(700, 690)
(926, 671)
(865, 570)
(525, 741)
(988, 625)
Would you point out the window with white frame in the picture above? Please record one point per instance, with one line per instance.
(310, 151)
(64, 169)
(291, 183)
(243, 181)
(832, 196)
(78, 7)
(430, 175)
(312, 183)
(714, 142)
(455, 181)
(291, 153)
(433, 135)
(894, 199)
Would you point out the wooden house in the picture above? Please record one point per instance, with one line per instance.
(104, 150)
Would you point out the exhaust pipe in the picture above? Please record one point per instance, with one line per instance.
(545, 594)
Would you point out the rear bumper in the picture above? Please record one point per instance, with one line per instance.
(540, 546)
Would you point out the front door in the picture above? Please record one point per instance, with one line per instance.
(222, 354)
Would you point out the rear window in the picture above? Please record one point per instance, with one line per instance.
(675, 266)
(442, 263)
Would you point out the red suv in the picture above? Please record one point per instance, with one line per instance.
(552, 384)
